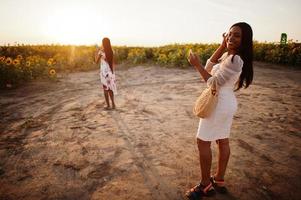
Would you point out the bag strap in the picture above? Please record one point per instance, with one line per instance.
(214, 86)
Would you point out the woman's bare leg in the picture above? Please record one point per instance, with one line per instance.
(205, 155)
(106, 92)
(223, 158)
(112, 98)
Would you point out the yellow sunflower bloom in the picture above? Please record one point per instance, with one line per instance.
(16, 62)
(2, 58)
(28, 63)
(52, 72)
(19, 57)
(50, 62)
(8, 61)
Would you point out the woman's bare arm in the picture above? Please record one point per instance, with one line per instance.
(97, 57)
(195, 61)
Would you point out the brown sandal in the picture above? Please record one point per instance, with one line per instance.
(199, 191)
(219, 185)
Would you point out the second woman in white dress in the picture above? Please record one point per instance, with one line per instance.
(232, 70)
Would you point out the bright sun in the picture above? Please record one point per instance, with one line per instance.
(71, 26)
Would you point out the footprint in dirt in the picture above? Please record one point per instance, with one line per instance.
(100, 171)
(245, 145)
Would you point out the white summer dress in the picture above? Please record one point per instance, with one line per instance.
(218, 124)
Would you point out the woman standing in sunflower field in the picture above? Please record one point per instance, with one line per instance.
(104, 57)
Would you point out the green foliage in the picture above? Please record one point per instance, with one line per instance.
(279, 54)
(136, 55)
(23, 63)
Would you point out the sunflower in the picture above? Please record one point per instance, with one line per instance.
(19, 57)
(8, 61)
(28, 63)
(2, 58)
(52, 72)
(16, 62)
(50, 61)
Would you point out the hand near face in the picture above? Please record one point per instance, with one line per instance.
(193, 59)
(99, 49)
(225, 37)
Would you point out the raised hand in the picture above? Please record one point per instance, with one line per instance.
(194, 59)
(224, 43)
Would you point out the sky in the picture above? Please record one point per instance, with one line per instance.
(144, 22)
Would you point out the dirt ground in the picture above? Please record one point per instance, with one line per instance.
(58, 142)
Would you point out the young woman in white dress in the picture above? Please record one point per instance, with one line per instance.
(232, 70)
(104, 57)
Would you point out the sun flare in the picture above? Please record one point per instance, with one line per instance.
(71, 26)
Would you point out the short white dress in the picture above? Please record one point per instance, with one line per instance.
(107, 77)
(218, 124)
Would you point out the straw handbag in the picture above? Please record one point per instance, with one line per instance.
(206, 102)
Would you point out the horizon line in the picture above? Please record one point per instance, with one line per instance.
(131, 45)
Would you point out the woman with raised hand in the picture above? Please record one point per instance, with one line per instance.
(231, 70)
(104, 57)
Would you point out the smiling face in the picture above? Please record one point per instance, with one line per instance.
(234, 38)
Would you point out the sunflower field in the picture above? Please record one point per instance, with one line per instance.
(23, 63)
